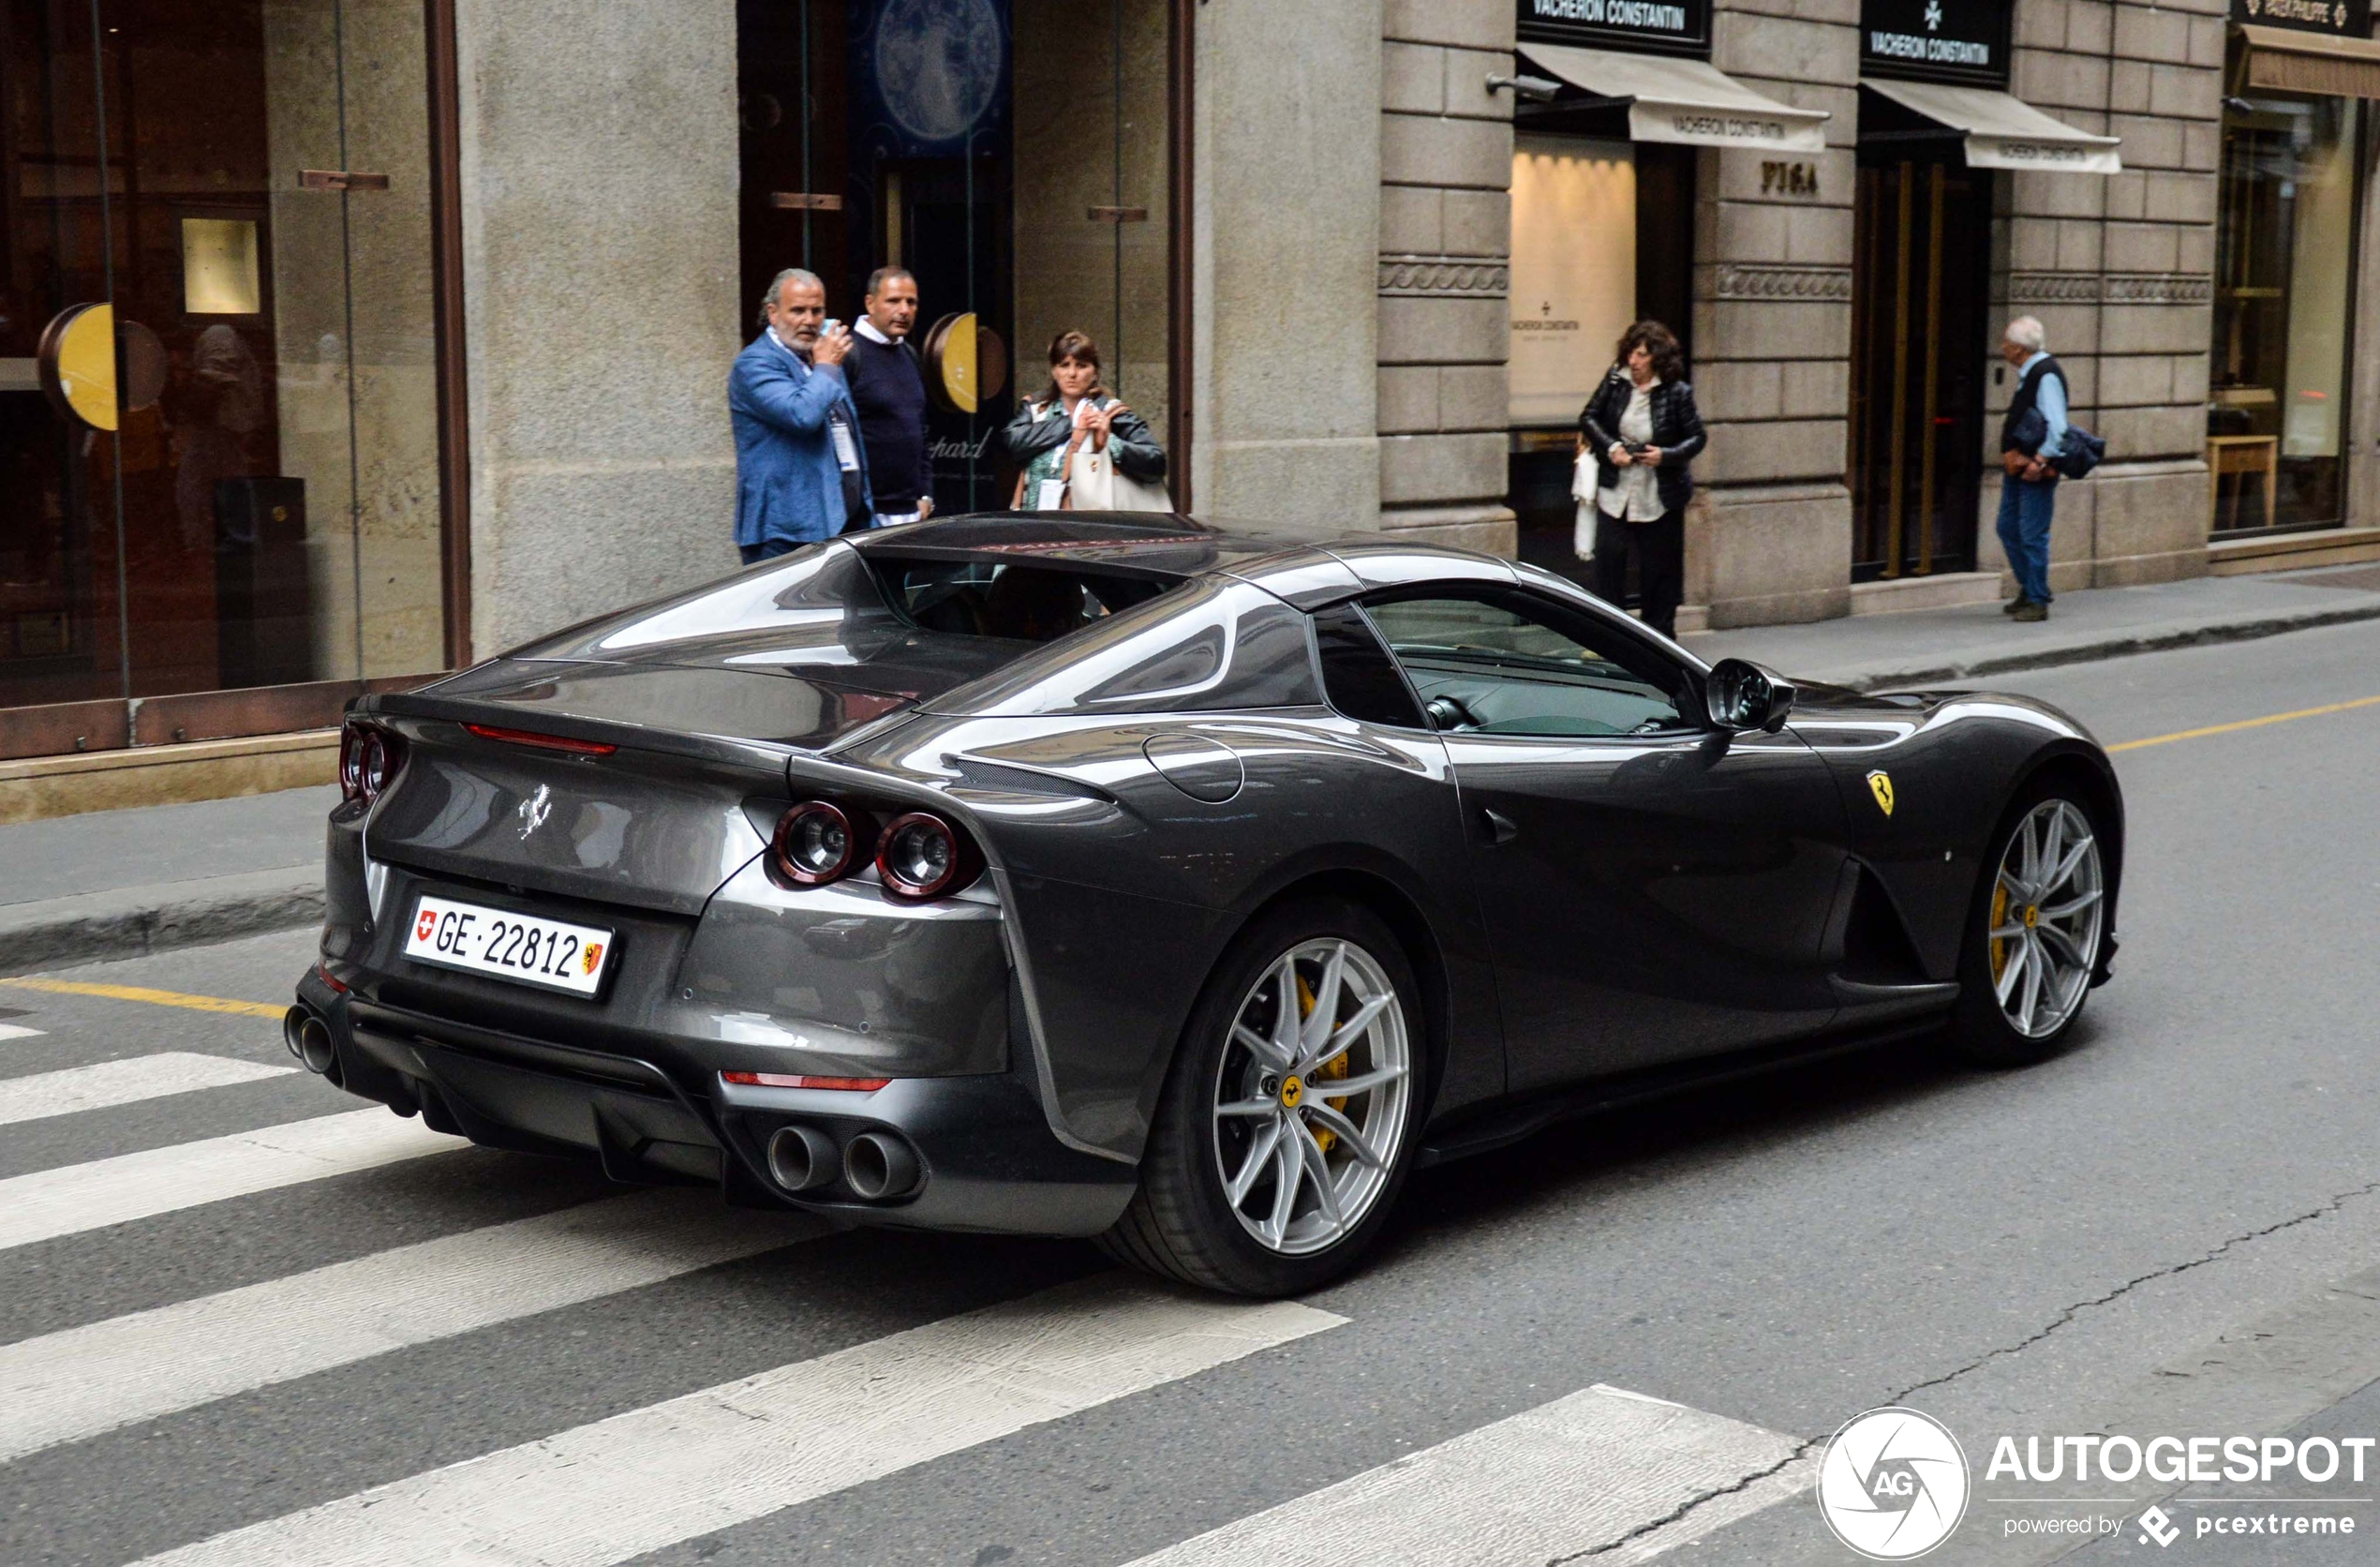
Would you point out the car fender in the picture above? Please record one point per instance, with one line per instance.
(1124, 887)
(1924, 781)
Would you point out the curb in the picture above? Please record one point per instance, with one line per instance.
(2119, 646)
(133, 921)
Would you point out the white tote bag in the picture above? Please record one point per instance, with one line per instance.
(1582, 476)
(1093, 485)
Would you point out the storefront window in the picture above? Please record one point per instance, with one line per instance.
(2285, 255)
(1014, 155)
(245, 492)
(1601, 237)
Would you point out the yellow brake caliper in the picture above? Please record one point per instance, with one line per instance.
(1336, 1066)
(1999, 915)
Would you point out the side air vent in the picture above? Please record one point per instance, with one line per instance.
(1875, 944)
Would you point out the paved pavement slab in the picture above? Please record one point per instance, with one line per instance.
(1949, 646)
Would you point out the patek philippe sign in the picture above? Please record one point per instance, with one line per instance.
(2350, 19)
(1657, 26)
(1940, 41)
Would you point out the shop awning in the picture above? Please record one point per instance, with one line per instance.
(1682, 100)
(2003, 132)
(2290, 61)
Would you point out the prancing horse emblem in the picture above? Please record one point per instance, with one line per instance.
(540, 805)
(1878, 784)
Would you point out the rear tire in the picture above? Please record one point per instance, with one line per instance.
(2036, 931)
(1237, 1124)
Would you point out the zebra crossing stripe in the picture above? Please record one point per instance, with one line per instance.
(75, 1198)
(1578, 1476)
(79, 1383)
(618, 1489)
(126, 1081)
(17, 1031)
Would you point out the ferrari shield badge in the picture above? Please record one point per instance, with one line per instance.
(1880, 783)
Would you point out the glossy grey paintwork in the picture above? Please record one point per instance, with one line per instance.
(1955, 758)
(1654, 899)
(843, 981)
(1123, 902)
(1139, 791)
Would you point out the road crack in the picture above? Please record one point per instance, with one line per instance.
(1679, 1513)
(2065, 1318)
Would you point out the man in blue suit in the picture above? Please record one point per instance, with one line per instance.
(801, 471)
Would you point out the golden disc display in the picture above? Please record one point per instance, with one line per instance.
(78, 364)
(966, 362)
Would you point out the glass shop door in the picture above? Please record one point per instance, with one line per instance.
(216, 388)
(1012, 155)
(1921, 224)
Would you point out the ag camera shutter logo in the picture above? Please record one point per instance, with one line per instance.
(1893, 1483)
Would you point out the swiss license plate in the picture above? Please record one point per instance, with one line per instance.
(507, 946)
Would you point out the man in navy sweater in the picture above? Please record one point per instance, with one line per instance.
(890, 391)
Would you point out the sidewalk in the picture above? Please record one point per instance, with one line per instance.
(1943, 646)
(119, 882)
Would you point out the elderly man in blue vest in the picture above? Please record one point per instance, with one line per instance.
(801, 474)
(2029, 488)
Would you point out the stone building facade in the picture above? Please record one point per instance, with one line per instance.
(1358, 260)
(2120, 267)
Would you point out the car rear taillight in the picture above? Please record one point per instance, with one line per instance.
(793, 1079)
(817, 842)
(920, 856)
(369, 760)
(541, 742)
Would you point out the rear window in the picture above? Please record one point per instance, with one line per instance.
(1011, 600)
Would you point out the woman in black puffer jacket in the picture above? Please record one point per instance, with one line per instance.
(1642, 427)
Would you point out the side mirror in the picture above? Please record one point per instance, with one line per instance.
(1743, 697)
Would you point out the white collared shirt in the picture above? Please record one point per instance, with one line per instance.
(1635, 496)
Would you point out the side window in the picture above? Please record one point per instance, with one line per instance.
(1509, 665)
(1356, 674)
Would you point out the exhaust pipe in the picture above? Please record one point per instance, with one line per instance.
(800, 1158)
(309, 1039)
(879, 1165)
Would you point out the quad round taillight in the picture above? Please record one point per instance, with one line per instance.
(921, 855)
(818, 843)
(368, 762)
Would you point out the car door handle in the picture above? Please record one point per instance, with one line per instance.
(1500, 827)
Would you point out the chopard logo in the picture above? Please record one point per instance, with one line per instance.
(535, 809)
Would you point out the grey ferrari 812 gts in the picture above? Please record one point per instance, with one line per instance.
(1180, 886)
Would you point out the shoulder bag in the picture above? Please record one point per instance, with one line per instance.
(1093, 483)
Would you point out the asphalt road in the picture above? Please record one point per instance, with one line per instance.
(2162, 1230)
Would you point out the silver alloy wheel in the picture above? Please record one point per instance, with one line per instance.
(1309, 1096)
(2048, 911)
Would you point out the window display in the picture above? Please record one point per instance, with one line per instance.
(2283, 283)
(237, 196)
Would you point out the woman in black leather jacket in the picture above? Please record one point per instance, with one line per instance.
(1644, 430)
(1044, 429)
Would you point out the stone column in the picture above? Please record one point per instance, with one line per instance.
(1285, 411)
(1446, 239)
(1770, 535)
(2119, 269)
(599, 262)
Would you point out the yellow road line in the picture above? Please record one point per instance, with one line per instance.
(155, 998)
(2248, 724)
